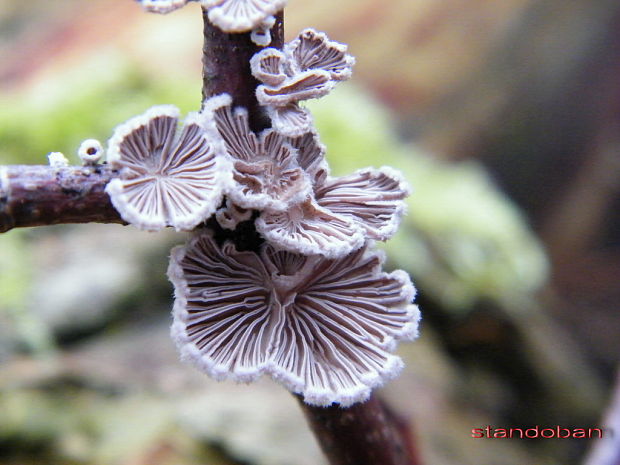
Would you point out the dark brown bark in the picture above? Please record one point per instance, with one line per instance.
(226, 67)
(40, 195)
(364, 434)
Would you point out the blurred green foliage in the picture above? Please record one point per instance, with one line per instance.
(59, 111)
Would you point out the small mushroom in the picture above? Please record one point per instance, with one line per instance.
(242, 15)
(261, 34)
(165, 178)
(230, 215)
(265, 170)
(343, 212)
(57, 160)
(325, 328)
(90, 152)
(312, 50)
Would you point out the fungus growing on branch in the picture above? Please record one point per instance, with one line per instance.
(265, 170)
(165, 178)
(90, 152)
(307, 68)
(324, 328)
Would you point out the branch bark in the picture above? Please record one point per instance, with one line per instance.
(40, 195)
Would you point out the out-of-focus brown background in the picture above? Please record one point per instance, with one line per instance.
(505, 117)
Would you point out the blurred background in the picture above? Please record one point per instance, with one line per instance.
(504, 116)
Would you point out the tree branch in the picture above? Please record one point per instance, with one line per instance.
(40, 195)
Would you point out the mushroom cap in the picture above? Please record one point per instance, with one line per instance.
(305, 85)
(241, 15)
(374, 199)
(290, 120)
(314, 50)
(325, 328)
(265, 170)
(309, 229)
(165, 178)
(311, 156)
(268, 66)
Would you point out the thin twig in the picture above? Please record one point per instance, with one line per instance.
(38, 195)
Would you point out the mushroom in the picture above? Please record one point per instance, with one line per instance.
(57, 160)
(90, 152)
(325, 328)
(309, 229)
(343, 213)
(242, 15)
(307, 68)
(265, 170)
(374, 199)
(230, 215)
(162, 6)
(165, 178)
(230, 15)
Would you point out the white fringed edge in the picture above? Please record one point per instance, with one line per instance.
(188, 351)
(115, 188)
(348, 60)
(123, 130)
(161, 6)
(228, 23)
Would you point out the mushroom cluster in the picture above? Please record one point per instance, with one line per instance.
(308, 304)
(307, 68)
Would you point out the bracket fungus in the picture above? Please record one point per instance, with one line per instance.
(324, 328)
(308, 67)
(165, 178)
(302, 209)
(307, 302)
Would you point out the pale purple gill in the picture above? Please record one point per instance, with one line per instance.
(302, 208)
(166, 177)
(307, 68)
(324, 328)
